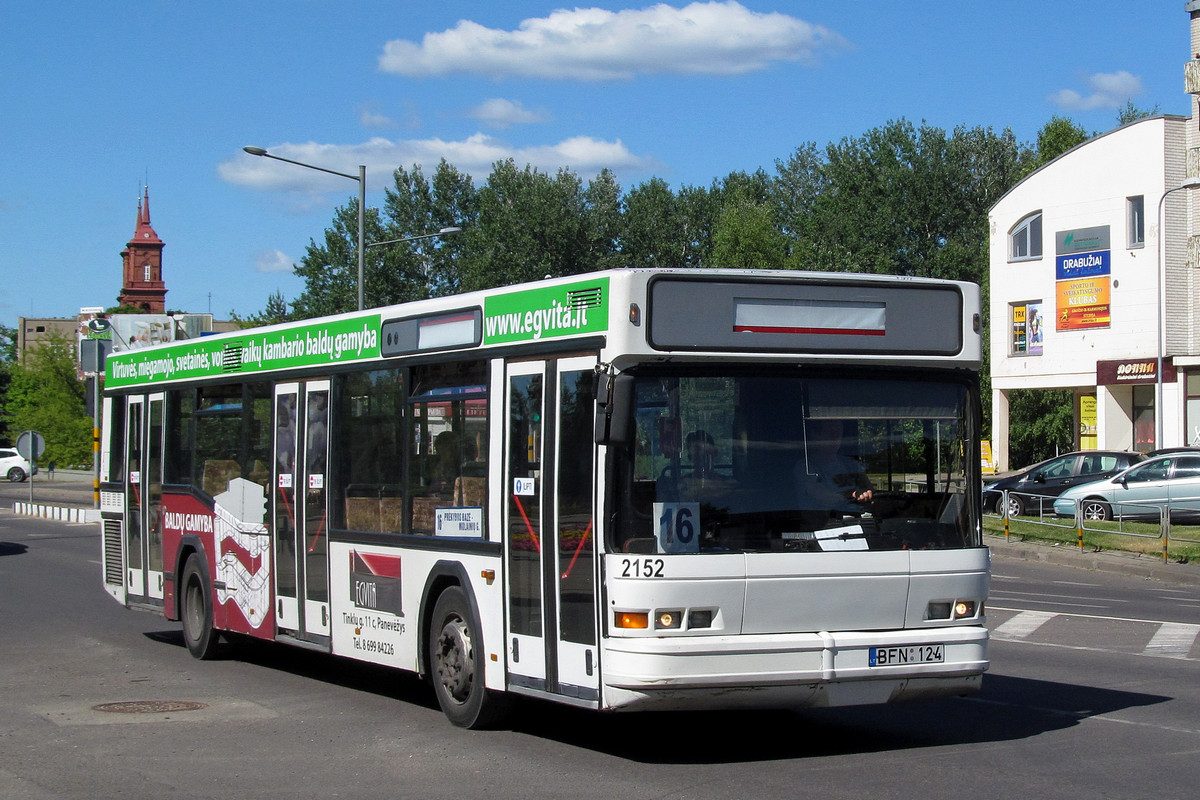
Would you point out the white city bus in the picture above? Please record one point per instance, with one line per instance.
(624, 490)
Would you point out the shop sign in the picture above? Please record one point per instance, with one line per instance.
(1129, 371)
(1083, 303)
(1082, 240)
(1082, 265)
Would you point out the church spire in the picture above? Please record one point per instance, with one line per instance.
(144, 233)
(142, 285)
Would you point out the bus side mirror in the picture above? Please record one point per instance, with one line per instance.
(614, 409)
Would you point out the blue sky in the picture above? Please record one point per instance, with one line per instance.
(99, 98)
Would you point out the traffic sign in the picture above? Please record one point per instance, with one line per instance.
(31, 445)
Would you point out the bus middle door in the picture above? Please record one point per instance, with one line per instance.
(299, 503)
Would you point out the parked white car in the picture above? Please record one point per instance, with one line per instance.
(12, 466)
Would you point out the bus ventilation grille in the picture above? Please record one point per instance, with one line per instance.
(586, 298)
(114, 572)
(231, 357)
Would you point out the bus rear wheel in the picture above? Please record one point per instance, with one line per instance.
(456, 664)
(196, 609)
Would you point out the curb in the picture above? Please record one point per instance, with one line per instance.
(63, 513)
(1112, 561)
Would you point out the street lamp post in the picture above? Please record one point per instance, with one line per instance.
(361, 177)
(448, 231)
(1160, 254)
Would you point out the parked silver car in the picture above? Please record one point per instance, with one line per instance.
(13, 466)
(1171, 481)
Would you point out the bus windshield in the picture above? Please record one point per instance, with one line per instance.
(772, 461)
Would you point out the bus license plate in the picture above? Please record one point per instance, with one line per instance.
(914, 654)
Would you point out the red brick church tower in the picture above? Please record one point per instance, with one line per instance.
(142, 282)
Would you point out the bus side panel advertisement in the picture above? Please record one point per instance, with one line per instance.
(533, 314)
(316, 344)
(238, 551)
(368, 620)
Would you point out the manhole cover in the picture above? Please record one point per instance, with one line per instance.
(149, 706)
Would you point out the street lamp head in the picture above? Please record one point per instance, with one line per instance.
(452, 229)
(255, 151)
(1191, 183)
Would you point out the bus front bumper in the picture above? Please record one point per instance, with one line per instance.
(794, 670)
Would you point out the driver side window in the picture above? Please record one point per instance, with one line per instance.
(1151, 471)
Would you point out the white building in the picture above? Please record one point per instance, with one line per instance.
(1095, 283)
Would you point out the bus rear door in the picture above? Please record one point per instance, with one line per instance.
(143, 500)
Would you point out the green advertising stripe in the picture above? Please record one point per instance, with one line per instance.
(331, 342)
(534, 314)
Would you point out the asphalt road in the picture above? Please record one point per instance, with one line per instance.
(1093, 692)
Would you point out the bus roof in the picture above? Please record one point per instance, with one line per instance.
(611, 303)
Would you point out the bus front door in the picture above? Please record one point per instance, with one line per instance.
(143, 500)
(298, 502)
(550, 491)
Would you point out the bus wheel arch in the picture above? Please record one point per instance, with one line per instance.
(454, 653)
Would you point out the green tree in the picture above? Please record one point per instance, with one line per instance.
(898, 200)
(1056, 137)
(1042, 424)
(416, 207)
(746, 235)
(330, 270)
(276, 311)
(603, 225)
(8, 357)
(654, 227)
(530, 226)
(45, 395)
(1131, 113)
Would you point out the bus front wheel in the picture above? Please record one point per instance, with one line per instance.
(456, 664)
(196, 611)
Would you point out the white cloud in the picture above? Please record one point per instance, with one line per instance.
(371, 119)
(594, 44)
(272, 261)
(474, 155)
(1108, 90)
(501, 113)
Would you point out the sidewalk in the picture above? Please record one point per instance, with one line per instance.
(68, 496)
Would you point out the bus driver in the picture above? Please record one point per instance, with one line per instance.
(828, 482)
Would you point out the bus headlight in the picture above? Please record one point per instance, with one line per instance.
(668, 620)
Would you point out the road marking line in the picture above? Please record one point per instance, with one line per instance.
(1172, 640)
(1085, 616)
(1022, 625)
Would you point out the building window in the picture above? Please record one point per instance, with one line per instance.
(1025, 240)
(147, 278)
(1027, 325)
(1135, 208)
(1193, 409)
